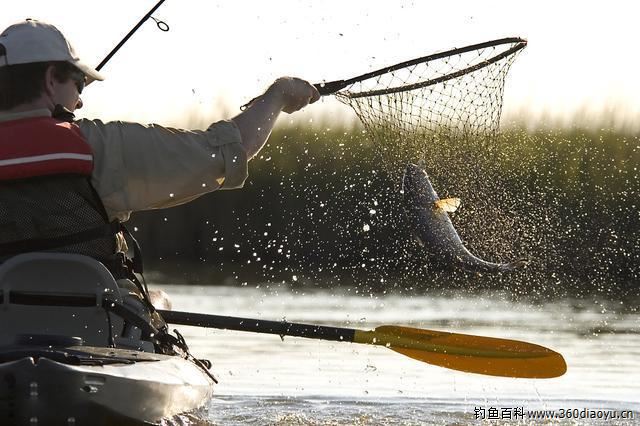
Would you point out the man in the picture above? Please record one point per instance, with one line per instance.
(67, 185)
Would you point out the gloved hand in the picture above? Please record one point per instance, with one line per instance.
(294, 93)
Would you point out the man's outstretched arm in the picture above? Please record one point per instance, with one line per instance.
(286, 94)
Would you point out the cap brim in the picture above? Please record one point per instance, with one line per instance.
(91, 73)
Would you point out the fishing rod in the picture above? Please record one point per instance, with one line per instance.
(161, 25)
(64, 114)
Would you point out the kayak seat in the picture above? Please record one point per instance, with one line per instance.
(57, 294)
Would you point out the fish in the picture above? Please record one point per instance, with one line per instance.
(429, 220)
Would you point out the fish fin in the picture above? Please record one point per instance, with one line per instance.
(449, 205)
(418, 240)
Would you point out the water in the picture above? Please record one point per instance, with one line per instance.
(297, 381)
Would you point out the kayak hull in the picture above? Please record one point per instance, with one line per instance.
(46, 388)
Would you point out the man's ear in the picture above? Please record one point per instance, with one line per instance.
(50, 81)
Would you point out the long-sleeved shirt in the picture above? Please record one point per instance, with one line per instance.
(142, 167)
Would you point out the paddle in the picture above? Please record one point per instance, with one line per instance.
(464, 352)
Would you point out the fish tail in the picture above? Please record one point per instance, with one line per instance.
(515, 265)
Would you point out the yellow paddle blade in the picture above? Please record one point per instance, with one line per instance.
(464, 352)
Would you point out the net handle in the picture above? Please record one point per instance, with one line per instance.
(334, 86)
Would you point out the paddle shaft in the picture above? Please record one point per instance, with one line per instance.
(279, 328)
(474, 354)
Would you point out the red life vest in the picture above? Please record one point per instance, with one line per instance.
(41, 146)
(47, 201)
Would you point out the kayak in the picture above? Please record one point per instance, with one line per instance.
(76, 349)
(89, 385)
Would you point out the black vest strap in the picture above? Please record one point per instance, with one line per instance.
(41, 244)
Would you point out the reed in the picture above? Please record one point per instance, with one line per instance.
(321, 206)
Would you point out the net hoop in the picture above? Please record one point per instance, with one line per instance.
(519, 44)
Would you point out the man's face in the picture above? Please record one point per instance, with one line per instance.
(67, 94)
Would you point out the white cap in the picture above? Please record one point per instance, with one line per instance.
(35, 41)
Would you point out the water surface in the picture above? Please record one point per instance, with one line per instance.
(266, 380)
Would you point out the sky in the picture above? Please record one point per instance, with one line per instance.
(580, 63)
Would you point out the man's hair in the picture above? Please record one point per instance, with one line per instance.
(24, 83)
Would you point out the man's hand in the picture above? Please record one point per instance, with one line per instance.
(294, 93)
(288, 94)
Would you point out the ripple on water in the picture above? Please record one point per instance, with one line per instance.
(264, 380)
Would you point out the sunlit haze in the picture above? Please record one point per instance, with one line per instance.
(580, 61)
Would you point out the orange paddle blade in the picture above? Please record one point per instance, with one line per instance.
(464, 352)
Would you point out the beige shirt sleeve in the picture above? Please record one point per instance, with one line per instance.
(142, 167)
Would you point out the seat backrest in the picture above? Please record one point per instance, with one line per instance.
(57, 294)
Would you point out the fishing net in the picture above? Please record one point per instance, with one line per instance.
(418, 108)
(443, 112)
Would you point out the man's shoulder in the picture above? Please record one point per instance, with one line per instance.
(95, 124)
(96, 130)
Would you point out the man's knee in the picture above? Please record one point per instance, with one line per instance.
(160, 299)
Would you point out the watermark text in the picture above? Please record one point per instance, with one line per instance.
(520, 413)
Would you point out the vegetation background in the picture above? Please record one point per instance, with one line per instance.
(320, 209)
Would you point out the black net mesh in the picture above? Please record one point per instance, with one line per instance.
(443, 112)
(411, 108)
